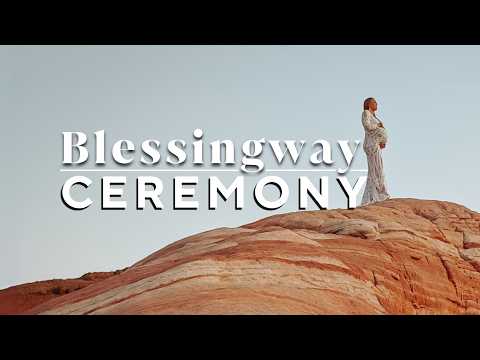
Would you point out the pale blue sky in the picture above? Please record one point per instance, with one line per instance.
(427, 95)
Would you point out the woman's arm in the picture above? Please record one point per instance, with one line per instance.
(368, 122)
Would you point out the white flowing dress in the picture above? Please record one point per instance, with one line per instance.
(376, 189)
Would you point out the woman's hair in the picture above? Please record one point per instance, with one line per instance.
(366, 103)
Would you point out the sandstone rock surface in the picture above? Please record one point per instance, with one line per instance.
(19, 299)
(400, 256)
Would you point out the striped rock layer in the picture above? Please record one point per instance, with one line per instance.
(400, 256)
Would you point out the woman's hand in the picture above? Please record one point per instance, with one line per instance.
(382, 146)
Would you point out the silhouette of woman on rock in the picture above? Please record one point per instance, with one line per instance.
(375, 141)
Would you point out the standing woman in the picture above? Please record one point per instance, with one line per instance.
(375, 141)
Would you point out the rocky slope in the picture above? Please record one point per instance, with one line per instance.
(401, 256)
(19, 299)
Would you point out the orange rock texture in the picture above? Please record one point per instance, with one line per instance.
(19, 299)
(400, 256)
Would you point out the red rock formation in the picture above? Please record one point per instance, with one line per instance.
(19, 299)
(401, 256)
